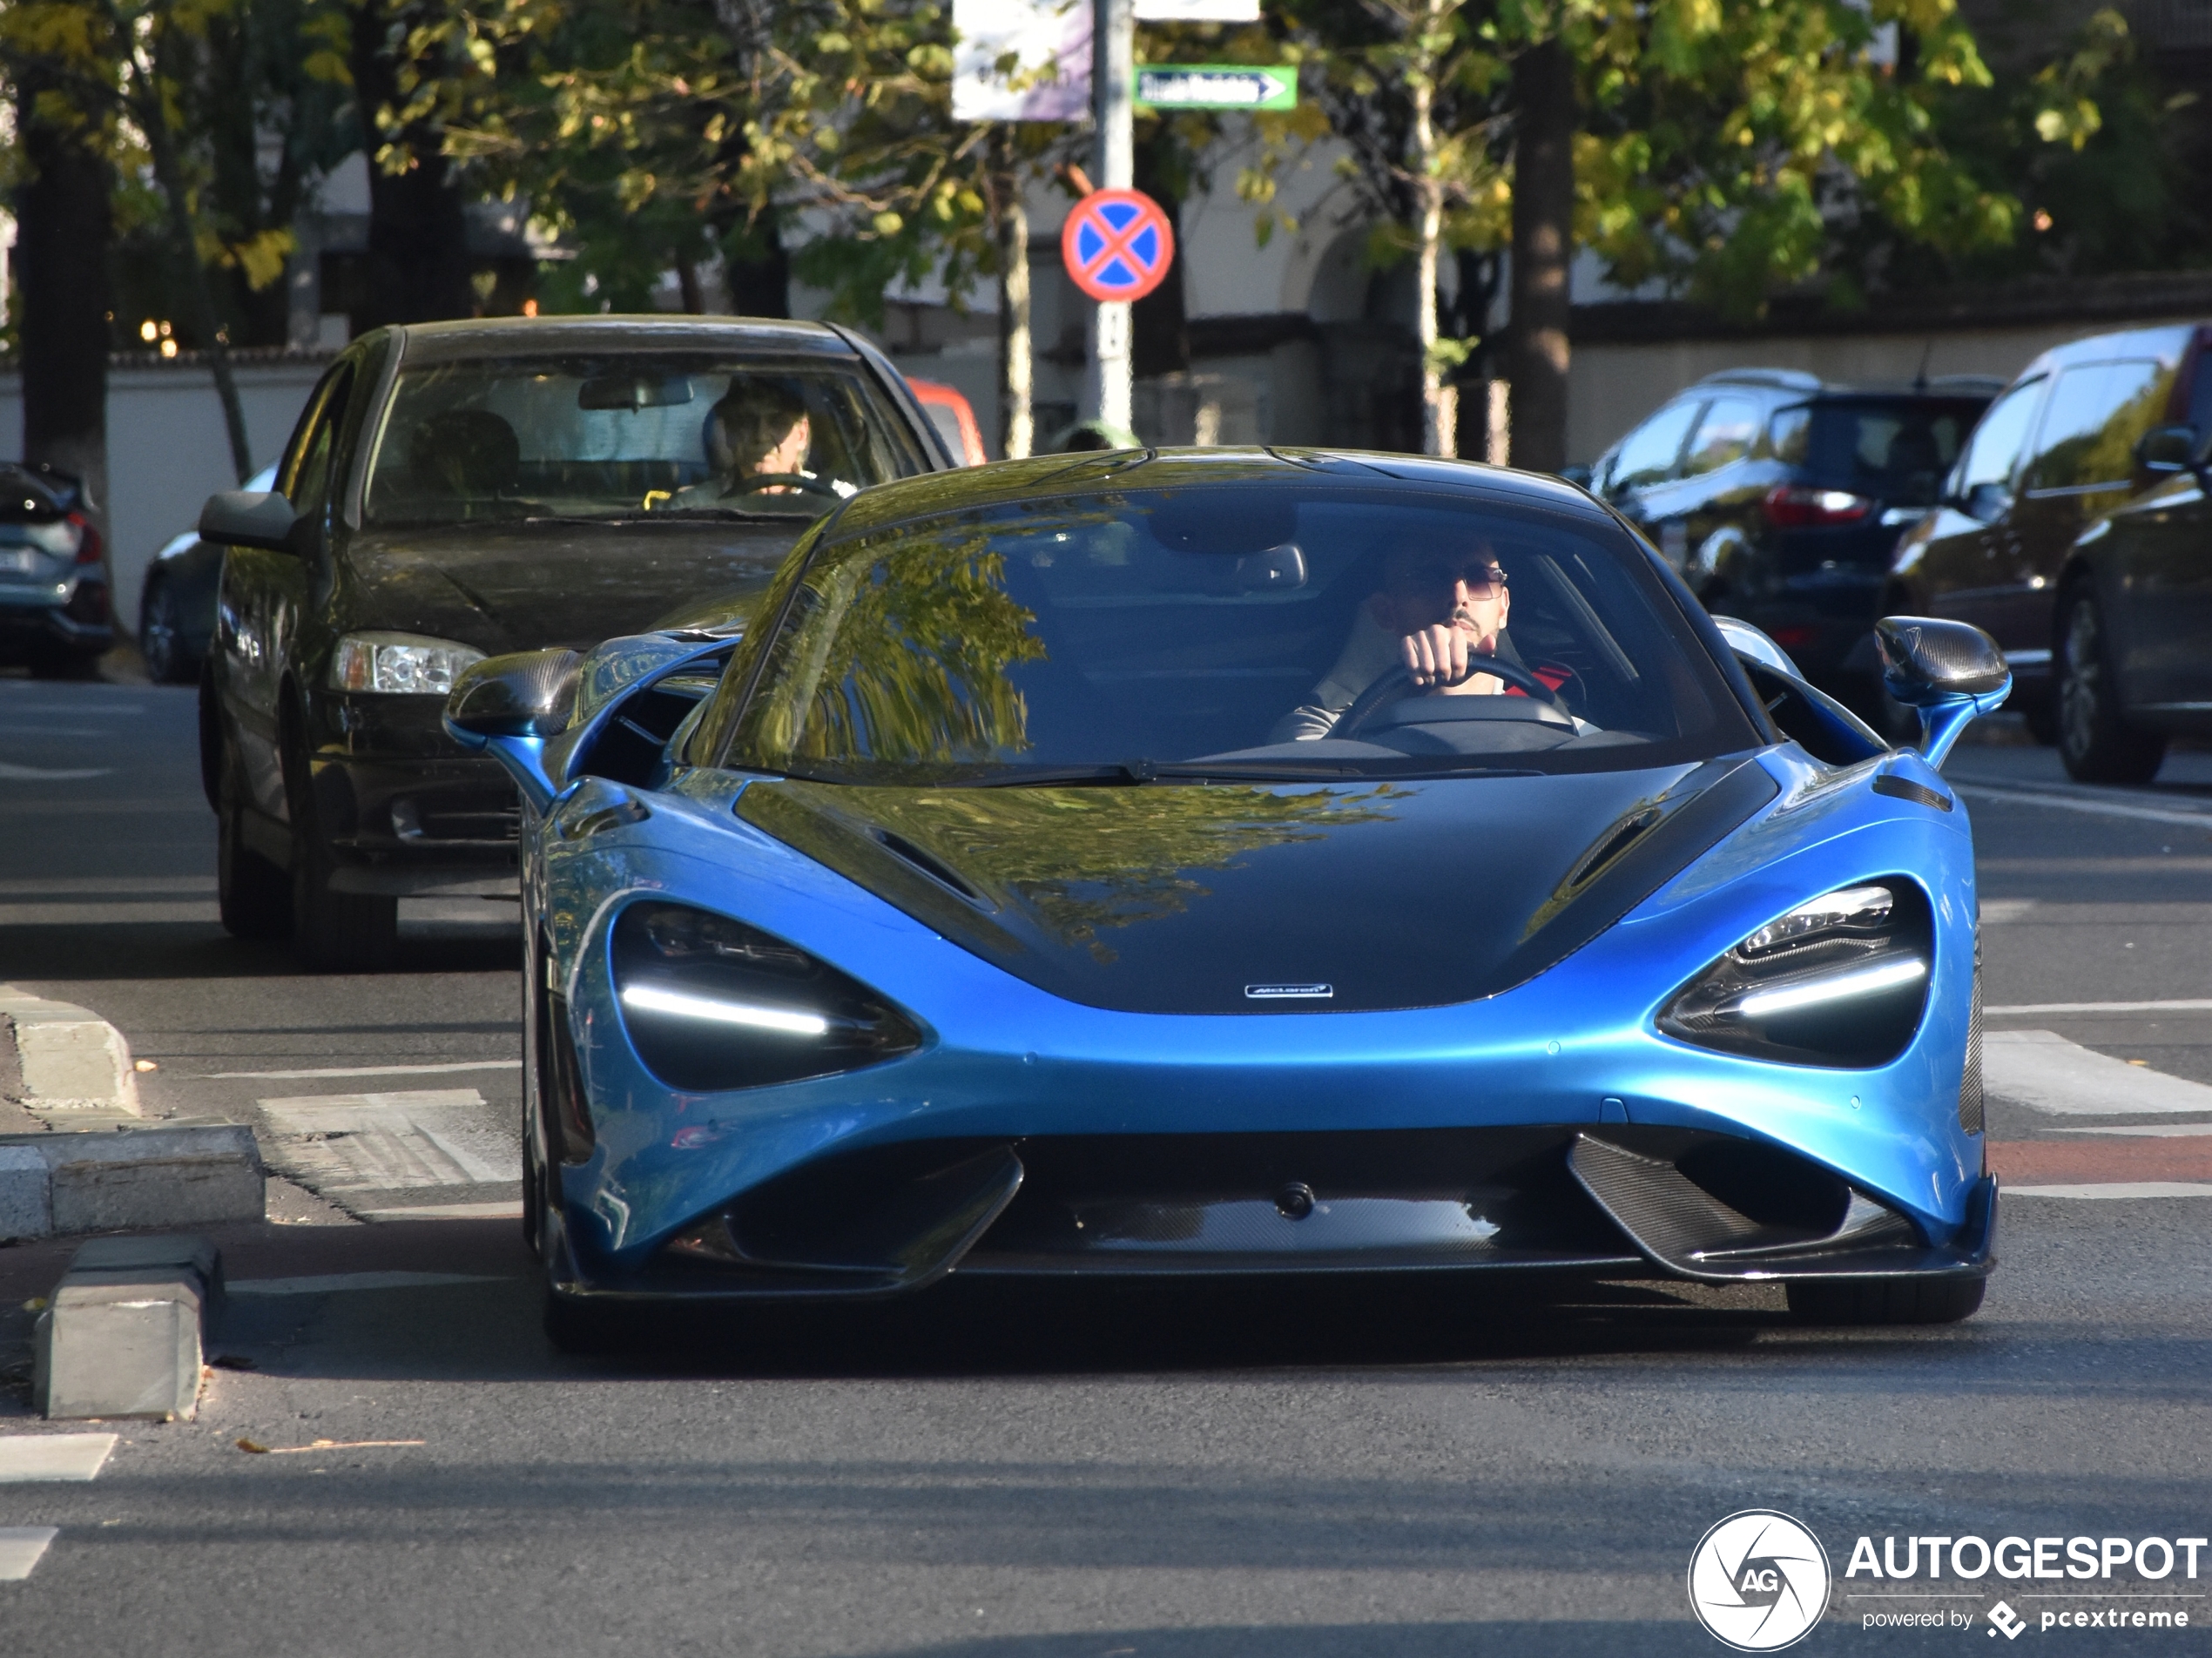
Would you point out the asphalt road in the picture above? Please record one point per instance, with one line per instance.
(988, 1474)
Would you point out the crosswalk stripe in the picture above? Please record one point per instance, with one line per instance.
(412, 1138)
(2117, 1189)
(20, 1548)
(2042, 1069)
(27, 1459)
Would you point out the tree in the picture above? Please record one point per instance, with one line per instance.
(1722, 148)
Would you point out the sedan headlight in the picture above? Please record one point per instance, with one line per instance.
(710, 1004)
(403, 664)
(1839, 981)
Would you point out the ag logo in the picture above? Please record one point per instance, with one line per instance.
(1758, 1581)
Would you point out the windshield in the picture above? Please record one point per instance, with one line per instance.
(1230, 631)
(609, 435)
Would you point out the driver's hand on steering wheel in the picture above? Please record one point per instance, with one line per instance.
(1443, 658)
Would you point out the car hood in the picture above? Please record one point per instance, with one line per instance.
(503, 588)
(1178, 898)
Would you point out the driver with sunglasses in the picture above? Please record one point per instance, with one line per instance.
(1437, 614)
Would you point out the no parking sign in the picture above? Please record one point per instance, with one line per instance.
(1117, 245)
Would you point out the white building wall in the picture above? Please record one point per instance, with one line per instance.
(167, 450)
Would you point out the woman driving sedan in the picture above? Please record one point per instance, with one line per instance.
(1438, 615)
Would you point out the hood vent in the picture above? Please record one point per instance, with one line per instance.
(938, 871)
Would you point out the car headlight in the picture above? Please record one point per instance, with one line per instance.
(402, 664)
(710, 1004)
(1839, 981)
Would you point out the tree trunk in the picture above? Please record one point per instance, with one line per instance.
(151, 110)
(1017, 410)
(1437, 411)
(1159, 325)
(687, 283)
(1543, 250)
(62, 236)
(758, 268)
(417, 269)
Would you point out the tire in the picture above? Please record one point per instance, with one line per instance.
(1884, 1301)
(2095, 741)
(332, 931)
(2041, 713)
(253, 897)
(161, 643)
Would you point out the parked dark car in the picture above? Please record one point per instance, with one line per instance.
(2132, 650)
(1780, 498)
(55, 610)
(459, 490)
(2053, 453)
(177, 602)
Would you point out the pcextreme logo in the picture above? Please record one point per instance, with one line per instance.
(1758, 1581)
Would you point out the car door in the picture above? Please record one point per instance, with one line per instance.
(263, 592)
(1958, 563)
(2082, 464)
(1646, 463)
(2154, 557)
(1720, 488)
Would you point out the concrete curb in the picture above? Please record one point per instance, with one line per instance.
(58, 1184)
(124, 1333)
(70, 1059)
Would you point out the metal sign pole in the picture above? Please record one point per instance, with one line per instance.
(1113, 72)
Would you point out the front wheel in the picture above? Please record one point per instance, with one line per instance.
(1884, 1301)
(334, 931)
(2095, 740)
(161, 643)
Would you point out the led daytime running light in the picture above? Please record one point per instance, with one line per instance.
(1834, 987)
(652, 998)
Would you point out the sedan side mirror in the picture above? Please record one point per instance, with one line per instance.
(1951, 671)
(2166, 448)
(248, 518)
(1986, 503)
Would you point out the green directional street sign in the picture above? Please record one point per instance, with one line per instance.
(1216, 86)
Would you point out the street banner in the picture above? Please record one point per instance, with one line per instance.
(1216, 86)
(1050, 42)
(1116, 244)
(1198, 10)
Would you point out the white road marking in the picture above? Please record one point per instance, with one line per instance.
(1996, 911)
(2116, 1189)
(2041, 1069)
(334, 1282)
(510, 1211)
(2199, 1005)
(20, 1548)
(26, 1458)
(365, 1070)
(2155, 1130)
(12, 773)
(342, 1142)
(2096, 808)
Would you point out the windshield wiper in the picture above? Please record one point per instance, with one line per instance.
(677, 516)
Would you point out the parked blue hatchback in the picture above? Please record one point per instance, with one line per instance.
(1239, 862)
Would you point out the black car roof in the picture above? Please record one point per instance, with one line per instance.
(1052, 474)
(504, 336)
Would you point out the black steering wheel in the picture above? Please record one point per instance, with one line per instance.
(1396, 684)
(796, 480)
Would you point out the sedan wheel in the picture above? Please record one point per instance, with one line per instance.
(161, 639)
(333, 932)
(2094, 739)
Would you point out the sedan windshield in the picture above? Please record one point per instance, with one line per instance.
(1285, 630)
(614, 436)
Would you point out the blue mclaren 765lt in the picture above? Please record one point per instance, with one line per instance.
(1236, 862)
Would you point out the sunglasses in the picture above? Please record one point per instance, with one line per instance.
(1483, 582)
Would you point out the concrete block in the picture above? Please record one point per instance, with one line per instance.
(69, 1057)
(24, 1210)
(120, 1346)
(110, 1260)
(144, 1178)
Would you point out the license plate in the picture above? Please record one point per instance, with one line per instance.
(20, 561)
